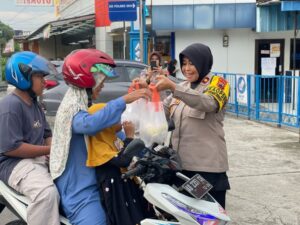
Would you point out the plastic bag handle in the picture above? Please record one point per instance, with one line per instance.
(134, 86)
(155, 96)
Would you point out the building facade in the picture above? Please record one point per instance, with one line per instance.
(242, 34)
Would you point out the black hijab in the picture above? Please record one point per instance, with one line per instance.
(200, 55)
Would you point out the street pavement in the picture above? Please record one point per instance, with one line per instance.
(264, 174)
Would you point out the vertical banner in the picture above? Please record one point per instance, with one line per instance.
(56, 8)
(101, 13)
(241, 82)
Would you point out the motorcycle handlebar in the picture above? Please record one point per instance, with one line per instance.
(139, 169)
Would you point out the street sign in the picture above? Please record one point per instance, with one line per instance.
(122, 10)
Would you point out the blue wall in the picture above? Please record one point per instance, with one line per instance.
(210, 16)
(271, 18)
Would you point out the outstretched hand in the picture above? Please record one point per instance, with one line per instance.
(164, 83)
(137, 94)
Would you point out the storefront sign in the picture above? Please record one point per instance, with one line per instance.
(275, 50)
(34, 2)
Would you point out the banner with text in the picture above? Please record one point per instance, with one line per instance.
(34, 2)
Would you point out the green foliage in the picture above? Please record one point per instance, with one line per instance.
(3, 62)
(6, 33)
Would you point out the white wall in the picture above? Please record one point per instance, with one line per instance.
(78, 8)
(239, 56)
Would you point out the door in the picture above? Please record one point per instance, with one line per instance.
(269, 61)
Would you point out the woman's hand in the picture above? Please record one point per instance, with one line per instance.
(141, 81)
(137, 94)
(164, 83)
(129, 129)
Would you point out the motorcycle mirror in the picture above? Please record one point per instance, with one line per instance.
(134, 148)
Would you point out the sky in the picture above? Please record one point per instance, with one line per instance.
(26, 18)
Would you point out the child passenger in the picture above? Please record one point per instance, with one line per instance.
(122, 199)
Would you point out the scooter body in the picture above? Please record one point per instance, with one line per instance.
(18, 203)
(187, 210)
(189, 204)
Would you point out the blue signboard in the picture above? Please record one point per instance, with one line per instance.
(122, 10)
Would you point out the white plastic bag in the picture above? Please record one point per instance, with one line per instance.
(153, 122)
(134, 110)
(133, 113)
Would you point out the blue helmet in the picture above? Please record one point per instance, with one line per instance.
(22, 65)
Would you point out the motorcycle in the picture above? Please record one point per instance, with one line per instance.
(17, 204)
(188, 204)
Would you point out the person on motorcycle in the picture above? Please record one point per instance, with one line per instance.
(106, 152)
(83, 70)
(25, 138)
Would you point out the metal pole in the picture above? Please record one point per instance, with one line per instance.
(124, 39)
(0, 63)
(294, 50)
(141, 16)
(294, 63)
(0, 58)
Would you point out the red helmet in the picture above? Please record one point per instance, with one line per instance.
(77, 66)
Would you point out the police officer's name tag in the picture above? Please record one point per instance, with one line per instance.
(197, 186)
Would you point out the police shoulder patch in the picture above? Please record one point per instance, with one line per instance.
(218, 88)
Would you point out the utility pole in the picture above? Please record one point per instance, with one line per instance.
(0, 57)
(141, 22)
(124, 40)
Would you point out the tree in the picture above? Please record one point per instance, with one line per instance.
(6, 33)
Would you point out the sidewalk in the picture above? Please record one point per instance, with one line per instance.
(264, 174)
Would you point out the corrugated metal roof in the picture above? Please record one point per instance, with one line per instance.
(68, 27)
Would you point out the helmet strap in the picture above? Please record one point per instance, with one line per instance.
(89, 92)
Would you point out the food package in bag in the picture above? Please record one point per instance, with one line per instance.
(153, 122)
(133, 112)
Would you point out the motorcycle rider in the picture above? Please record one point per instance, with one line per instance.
(77, 183)
(25, 138)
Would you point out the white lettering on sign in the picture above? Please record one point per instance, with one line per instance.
(34, 2)
(127, 6)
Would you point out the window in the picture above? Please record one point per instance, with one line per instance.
(297, 54)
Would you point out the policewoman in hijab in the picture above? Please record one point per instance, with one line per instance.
(197, 107)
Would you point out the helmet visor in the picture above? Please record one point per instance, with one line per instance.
(41, 65)
(105, 69)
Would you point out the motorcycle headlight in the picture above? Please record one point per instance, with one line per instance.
(201, 217)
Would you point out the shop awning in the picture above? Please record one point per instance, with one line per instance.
(72, 29)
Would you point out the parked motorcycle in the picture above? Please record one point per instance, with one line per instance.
(188, 204)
